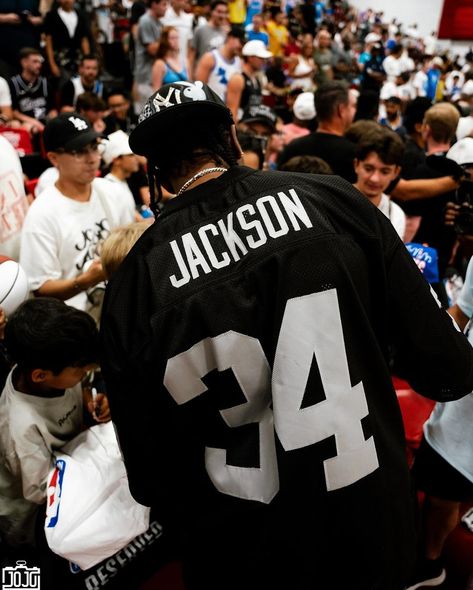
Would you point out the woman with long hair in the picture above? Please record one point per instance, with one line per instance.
(168, 66)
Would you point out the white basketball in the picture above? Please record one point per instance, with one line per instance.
(13, 285)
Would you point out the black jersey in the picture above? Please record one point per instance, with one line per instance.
(34, 100)
(251, 94)
(247, 340)
(337, 151)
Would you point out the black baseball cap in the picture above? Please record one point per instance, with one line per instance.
(68, 131)
(174, 106)
(260, 114)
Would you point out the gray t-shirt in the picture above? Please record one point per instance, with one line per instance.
(31, 429)
(207, 38)
(149, 31)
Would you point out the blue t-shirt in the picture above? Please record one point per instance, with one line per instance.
(433, 77)
(254, 7)
(258, 36)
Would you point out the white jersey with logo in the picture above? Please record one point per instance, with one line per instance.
(222, 72)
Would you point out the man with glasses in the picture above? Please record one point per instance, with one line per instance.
(65, 226)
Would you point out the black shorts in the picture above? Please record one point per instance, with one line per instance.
(436, 477)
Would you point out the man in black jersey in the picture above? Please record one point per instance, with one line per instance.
(244, 89)
(251, 329)
(32, 99)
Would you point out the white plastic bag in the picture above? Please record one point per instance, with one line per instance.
(90, 512)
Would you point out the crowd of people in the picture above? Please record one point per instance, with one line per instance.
(312, 87)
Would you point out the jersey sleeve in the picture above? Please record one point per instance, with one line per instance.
(134, 392)
(31, 464)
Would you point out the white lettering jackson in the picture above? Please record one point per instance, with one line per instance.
(231, 237)
(249, 225)
(272, 217)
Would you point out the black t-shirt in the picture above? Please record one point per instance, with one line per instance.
(432, 229)
(337, 151)
(246, 343)
(67, 50)
(414, 156)
(34, 100)
(137, 10)
(15, 36)
(136, 182)
(373, 65)
(113, 123)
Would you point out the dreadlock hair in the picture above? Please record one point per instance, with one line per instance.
(192, 143)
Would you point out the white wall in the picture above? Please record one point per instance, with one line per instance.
(426, 13)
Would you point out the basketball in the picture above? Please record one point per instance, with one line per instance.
(13, 285)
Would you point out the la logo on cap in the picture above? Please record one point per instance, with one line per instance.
(79, 124)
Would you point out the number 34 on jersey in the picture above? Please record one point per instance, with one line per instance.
(311, 326)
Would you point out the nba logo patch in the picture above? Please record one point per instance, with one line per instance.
(54, 494)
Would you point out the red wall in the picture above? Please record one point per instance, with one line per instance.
(457, 20)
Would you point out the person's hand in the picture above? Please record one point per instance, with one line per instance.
(94, 274)
(36, 126)
(451, 213)
(36, 21)
(99, 408)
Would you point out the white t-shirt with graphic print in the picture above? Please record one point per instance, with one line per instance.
(61, 235)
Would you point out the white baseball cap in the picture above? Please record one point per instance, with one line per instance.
(116, 145)
(256, 48)
(462, 151)
(372, 38)
(304, 107)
